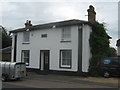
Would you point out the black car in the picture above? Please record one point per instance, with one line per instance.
(109, 66)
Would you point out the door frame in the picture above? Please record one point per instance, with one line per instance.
(43, 51)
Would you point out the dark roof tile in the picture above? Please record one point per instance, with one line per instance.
(50, 25)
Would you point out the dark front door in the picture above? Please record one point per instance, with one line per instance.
(46, 60)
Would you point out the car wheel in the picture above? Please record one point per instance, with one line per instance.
(106, 74)
(3, 78)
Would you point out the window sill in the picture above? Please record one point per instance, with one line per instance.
(66, 67)
(65, 41)
(27, 64)
(25, 43)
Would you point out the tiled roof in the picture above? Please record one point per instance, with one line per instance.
(50, 25)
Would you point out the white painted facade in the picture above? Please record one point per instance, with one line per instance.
(86, 55)
(118, 47)
(54, 44)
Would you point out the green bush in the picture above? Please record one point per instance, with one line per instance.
(93, 68)
(99, 46)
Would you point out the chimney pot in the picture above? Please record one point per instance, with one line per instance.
(91, 14)
(91, 7)
(28, 23)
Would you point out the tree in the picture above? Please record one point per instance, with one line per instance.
(99, 45)
(6, 38)
(112, 52)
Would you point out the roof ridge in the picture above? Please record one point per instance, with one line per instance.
(49, 25)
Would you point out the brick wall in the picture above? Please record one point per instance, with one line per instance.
(6, 56)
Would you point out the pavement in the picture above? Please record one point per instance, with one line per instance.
(34, 80)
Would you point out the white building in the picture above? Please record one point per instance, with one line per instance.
(57, 46)
(118, 47)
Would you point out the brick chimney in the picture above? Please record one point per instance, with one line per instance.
(91, 14)
(28, 24)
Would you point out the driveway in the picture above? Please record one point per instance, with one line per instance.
(34, 80)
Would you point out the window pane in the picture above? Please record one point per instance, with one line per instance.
(63, 62)
(26, 36)
(115, 62)
(66, 57)
(26, 53)
(63, 55)
(25, 56)
(44, 35)
(69, 55)
(66, 33)
(68, 62)
(26, 60)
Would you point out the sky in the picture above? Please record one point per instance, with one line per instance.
(14, 13)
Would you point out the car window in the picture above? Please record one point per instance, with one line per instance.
(111, 61)
(115, 62)
(106, 61)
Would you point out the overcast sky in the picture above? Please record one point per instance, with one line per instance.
(14, 14)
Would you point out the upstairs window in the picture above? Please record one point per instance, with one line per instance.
(26, 36)
(66, 33)
(44, 35)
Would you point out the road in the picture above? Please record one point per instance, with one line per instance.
(5, 85)
(54, 81)
(15, 87)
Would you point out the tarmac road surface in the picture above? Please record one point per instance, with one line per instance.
(55, 81)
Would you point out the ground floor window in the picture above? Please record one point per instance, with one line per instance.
(65, 58)
(26, 56)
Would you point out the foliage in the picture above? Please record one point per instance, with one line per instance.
(6, 38)
(112, 52)
(99, 44)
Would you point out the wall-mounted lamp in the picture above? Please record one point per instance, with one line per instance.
(80, 27)
(27, 30)
(54, 26)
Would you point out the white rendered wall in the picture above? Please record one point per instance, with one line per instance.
(86, 48)
(12, 54)
(52, 43)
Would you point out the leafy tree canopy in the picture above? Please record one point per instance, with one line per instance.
(99, 46)
(6, 38)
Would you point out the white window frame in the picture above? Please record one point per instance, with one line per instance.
(61, 59)
(23, 57)
(66, 33)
